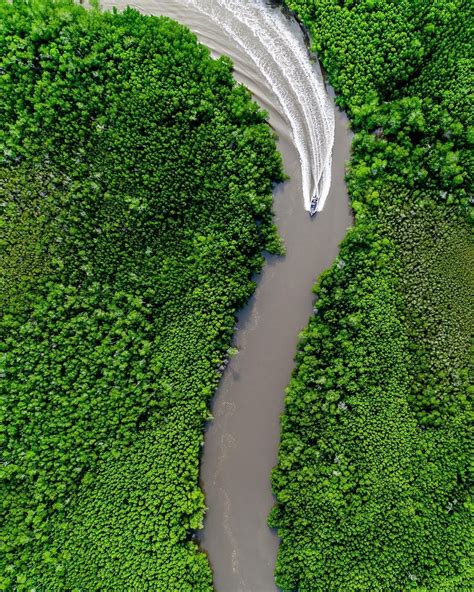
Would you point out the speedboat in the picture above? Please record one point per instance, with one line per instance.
(313, 206)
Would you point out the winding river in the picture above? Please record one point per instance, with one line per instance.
(241, 444)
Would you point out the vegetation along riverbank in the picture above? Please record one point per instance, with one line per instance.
(372, 483)
(136, 182)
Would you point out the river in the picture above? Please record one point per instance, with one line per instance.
(241, 444)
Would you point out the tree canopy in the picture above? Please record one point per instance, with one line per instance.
(136, 181)
(372, 483)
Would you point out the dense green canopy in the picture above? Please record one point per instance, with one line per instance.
(136, 185)
(372, 483)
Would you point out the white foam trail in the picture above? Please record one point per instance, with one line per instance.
(280, 54)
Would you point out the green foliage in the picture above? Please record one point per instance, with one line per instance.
(372, 484)
(403, 70)
(134, 218)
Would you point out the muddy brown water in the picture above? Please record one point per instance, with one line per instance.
(241, 444)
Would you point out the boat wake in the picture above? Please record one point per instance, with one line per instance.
(280, 54)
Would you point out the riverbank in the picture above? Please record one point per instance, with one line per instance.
(135, 217)
(372, 482)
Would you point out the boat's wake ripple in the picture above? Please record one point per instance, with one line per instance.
(281, 55)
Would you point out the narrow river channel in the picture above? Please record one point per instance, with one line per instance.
(241, 444)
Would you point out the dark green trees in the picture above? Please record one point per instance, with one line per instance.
(372, 483)
(134, 219)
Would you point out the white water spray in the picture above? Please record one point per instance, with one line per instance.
(280, 54)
